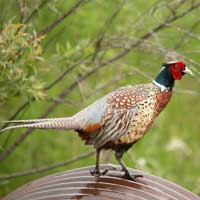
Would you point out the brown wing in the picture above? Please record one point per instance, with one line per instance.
(122, 108)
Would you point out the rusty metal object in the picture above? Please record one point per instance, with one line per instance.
(79, 184)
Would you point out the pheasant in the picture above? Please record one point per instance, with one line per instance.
(119, 119)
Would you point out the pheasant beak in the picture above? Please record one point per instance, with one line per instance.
(188, 71)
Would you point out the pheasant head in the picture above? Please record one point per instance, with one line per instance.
(170, 72)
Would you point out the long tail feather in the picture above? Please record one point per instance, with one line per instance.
(31, 120)
(56, 123)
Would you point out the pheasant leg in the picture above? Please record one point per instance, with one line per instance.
(96, 172)
(127, 174)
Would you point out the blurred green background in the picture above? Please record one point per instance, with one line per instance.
(81, 52)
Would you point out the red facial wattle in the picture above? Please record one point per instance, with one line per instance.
(177, 75)
(177, 69)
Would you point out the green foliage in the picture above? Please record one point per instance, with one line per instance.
(20, 49)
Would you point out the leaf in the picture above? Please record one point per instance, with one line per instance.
(20, 49)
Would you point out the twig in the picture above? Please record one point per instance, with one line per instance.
(182, 39)
(189, 92)
(52, 39)
(20, 4)
(35, 11)
(46, 168)
(102, 32)
(55, 22)
(149, 34)
(69, 69)
(61, 18)
(187, 32)
(5, 11)
(65, 102)
(10, 133)
(22, 107)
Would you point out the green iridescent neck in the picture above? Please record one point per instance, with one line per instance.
(165, 78)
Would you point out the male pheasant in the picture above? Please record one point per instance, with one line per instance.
(120, 118)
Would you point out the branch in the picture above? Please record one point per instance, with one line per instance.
(61, 18)
(10, 133)
(22, 107)
(150, 34)
(102, 32)
(187, 32)
(46, 168)
(35, 11)
(21, 5)
(182, 39)
(69, 69)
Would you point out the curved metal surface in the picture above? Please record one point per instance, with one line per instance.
(79, 184)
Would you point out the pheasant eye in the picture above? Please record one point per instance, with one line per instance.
(176, 66)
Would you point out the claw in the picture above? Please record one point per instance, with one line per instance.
(97, 173)
(132, 177)
(104, 171)
(112, 168)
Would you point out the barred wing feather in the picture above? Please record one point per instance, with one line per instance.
(115, 126)
(121, 110)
